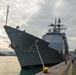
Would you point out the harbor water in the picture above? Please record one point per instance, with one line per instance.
(9, 65)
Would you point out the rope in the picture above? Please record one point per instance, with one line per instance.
(39, 53)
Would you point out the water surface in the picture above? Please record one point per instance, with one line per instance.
(9, 65)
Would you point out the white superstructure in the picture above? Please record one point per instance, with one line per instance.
(55, 41)
(56, 38)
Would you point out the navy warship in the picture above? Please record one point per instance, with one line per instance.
(32, 51)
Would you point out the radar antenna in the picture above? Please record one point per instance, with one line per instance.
(59, 25)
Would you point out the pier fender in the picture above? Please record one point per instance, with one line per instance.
(45, 69)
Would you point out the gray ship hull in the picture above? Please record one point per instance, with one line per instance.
(25, 48)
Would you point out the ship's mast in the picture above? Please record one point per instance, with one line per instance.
(59, 26)
(55, 27)
(7, 14)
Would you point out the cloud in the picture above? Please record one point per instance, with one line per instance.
(72, 43)
(35, 15)
(40, 19)
(20, 12)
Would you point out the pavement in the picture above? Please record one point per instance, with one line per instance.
(70, 70)
(60, 69)
(74, 68)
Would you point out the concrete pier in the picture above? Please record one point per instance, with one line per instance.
(74, 68)
(60, 69)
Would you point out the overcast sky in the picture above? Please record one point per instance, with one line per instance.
(34, 16)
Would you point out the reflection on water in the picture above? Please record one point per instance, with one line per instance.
(30, 72)
(9, 65)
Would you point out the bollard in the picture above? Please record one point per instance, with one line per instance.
(45, 69)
